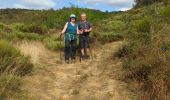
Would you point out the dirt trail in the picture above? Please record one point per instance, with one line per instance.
(97, 80)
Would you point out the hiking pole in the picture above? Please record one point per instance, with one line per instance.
(90, 52)
(80, 55)
(60, 48)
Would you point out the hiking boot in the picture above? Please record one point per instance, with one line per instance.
(87, 57)
(73, 61)
(82, 57)
(67, 61)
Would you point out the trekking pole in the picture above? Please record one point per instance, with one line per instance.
(90, 52)
(80, 50)
(60, 48)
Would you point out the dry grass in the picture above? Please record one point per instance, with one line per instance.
(33, 49)
(91, 81)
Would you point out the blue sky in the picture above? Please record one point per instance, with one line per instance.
(103, 5)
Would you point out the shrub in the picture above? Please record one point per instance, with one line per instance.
(144, 25)
(1, 26)
(9, 86)
(11, 61)
(5, 28)
(33, 28)
(29, 36)
(13, 65)
(53, 44)
(18, 26)
(109, 37)
(165, 13)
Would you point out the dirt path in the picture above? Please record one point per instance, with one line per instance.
(97, 80)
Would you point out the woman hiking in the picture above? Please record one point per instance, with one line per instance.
(70, 30)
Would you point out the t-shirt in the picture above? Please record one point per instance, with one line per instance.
(83, 26)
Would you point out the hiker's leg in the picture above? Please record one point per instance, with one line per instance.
(87, 46)
(67, 49)
(82, 46)
(73, 49)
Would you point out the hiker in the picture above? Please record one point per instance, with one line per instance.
(84, 29)
(70, 30)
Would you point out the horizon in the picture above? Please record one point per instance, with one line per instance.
(110, 6)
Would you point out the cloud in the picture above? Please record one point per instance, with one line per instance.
(18, 6)
(124, 9)
(38, 4)
(120, 4)
(28, 4)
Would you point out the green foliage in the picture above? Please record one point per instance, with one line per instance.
(5, 28)
(144, 24)
(13, 65)
(165, 12)
(16, 35)
(109, 37)
(53, 44)
(33, 28)
(9, 86)
(140, 3)
(116, 25)
(29, 36)
(11, 61)
(50, 18)
(146, 56)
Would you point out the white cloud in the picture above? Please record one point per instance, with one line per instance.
(35, 4)
(120, 4)
(19, 6)
(110, 2)
(124, 9)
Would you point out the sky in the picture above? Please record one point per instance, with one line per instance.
(103, 5)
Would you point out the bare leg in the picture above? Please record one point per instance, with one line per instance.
(87, 52)
(82, 52)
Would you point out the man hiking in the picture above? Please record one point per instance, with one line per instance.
(70, 30)
(84, 29)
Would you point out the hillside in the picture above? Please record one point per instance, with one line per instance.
(135, 68)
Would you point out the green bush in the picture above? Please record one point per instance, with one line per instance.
(18, 26)
(109, 37)
(165, 13)
(11, 61)
(5, 28)
(144, 24)
(34, 28)
(1, 26)
(29, 36)
(53, 44)
(9, 86)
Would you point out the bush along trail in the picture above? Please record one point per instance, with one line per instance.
(89, 80)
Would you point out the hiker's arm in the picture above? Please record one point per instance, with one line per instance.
(65, 28)
(78, 32)
(89, 30)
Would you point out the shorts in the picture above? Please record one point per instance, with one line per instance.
(84, 41)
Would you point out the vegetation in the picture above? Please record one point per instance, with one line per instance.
(13, 66)
(145, 55)
(140, 3)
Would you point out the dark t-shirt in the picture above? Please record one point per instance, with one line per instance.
(83, 26)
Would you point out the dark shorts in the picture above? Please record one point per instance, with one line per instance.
(84, 41)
